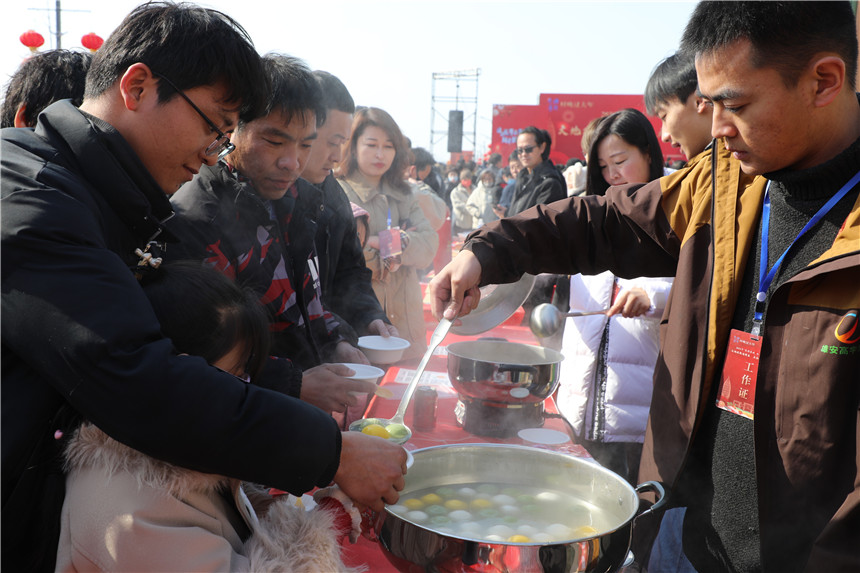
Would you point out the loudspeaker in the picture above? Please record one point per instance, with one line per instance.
(455, 131)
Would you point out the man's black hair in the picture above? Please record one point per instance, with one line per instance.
(494, 159)
(423, 158)
(541, 136)
(43, 79)
(293, 91)
(784, 35)
(673, 78)
(190, 46)
(334, 94)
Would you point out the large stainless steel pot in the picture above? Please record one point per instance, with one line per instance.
(503, 372)
(412, 547)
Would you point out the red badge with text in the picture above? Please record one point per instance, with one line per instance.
(737, 386)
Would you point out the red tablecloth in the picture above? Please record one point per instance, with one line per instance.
(447, 431)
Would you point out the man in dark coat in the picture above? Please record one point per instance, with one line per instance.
(345, 278)
(245, 217)
(83, 200)
(539, 182)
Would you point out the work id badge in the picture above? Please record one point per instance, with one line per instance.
(737, 385)
(389, 243)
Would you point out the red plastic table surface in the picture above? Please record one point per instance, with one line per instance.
(446, 431)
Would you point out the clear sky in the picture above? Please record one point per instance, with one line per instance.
(386, 52)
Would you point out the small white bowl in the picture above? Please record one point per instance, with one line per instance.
(364, 372)
(380, 350)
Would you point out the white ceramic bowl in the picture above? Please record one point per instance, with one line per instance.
(364, 372)
(380, 350)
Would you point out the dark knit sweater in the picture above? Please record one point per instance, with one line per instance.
(721, 528)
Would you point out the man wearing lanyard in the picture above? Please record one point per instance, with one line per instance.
(754, 418)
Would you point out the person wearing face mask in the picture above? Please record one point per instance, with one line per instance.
(607, 352)
(482, 201)
(401, 240)
(461, 217)
(539, 181)
(453, 179)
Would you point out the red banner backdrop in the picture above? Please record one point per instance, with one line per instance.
(564, 116)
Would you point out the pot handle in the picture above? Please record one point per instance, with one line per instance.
(656, 487)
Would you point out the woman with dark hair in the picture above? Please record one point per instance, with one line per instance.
(606, 385)
(400, 239)
(539, 181)
(126, 511)
(624, 149)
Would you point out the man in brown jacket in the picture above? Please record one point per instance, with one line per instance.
(768, 470)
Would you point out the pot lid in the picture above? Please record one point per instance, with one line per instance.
(498, 303)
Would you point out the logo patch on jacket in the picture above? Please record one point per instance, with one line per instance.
(847, 333)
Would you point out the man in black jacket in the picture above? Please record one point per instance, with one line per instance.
(345, 277)
(539, 182)
(83, 200)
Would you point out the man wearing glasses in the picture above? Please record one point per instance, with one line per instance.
(84, 200)
(539, 181)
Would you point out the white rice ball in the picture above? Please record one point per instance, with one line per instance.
(460, 515)
(502, 531)
(558, 531)
(417, 516)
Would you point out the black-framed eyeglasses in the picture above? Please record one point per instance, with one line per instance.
(222, 145)
(525, 150)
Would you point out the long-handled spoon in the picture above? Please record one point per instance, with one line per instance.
(401, 433)
(546, 319)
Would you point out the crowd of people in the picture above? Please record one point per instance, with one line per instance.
(194, 237)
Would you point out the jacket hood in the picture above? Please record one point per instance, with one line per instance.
(90, 447)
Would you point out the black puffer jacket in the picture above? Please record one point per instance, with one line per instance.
(544, 185)
(77, 329)
(346, 280)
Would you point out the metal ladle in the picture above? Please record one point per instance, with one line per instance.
(435, 339)
(546, 319)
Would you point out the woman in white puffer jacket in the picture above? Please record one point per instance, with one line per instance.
(605, 390)
(608, 368)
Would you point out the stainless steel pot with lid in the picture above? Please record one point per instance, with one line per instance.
(501, 385)
(413, 546)
(501, 371)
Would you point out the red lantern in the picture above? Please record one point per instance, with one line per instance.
(32, 40)
(92, 41)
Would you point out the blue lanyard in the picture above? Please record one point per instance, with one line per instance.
(765, 277)
(389, 218)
